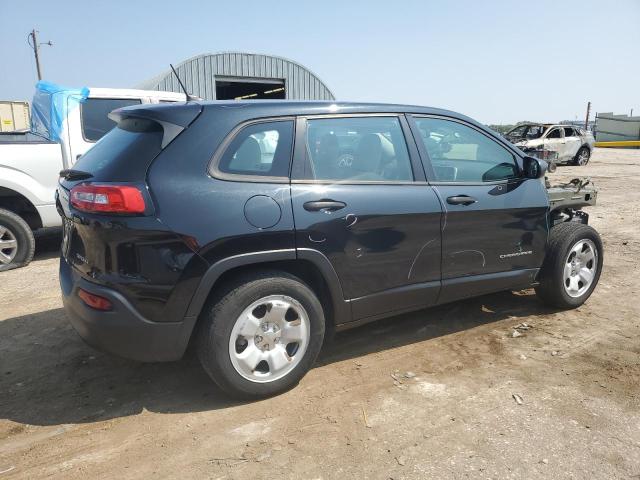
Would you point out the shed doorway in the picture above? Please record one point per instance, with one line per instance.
(249, 89)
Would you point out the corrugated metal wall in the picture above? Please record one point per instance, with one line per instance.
(617, 128)
(199, 73)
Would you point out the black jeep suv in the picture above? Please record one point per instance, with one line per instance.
(252, 228)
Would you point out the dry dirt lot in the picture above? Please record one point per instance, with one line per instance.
(424, 395)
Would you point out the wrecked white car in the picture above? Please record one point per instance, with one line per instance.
(556, 143)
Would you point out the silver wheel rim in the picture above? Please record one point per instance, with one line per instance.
(580, 268)
(583, 158)
(8, 246)
(269, 338)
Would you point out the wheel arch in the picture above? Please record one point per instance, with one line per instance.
(309, 265)
(19, 204)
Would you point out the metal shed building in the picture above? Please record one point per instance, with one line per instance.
(236, 75)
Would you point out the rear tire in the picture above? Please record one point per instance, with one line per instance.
(582, 157)
(572, 265)
(17, 244)
(261, 334)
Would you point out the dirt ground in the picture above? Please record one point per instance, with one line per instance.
(423, 395)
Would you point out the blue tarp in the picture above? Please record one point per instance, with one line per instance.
(50, 107)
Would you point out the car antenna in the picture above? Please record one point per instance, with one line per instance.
(189, 96)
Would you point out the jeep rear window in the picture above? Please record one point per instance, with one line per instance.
(261, 149)
(124, 153)
(94, 111)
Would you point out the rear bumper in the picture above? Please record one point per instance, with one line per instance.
(121, 331)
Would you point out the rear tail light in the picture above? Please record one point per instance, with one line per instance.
(107, 199)
(95, 301)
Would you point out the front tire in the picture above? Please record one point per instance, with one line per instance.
(582, 157)
(261, 334)
(572, 265)
(17, 244)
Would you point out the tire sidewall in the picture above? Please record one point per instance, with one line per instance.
(222, 317)
(23, 236)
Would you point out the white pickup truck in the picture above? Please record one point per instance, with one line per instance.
(31, 161)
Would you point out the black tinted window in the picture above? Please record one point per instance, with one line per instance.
(459, 153)
(262, 149)
(124, 153)
(568, 132)
(357, 149)
(94, 111)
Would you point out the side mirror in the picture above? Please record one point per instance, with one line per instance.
(534, 167)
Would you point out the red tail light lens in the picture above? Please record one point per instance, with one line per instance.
(107, 199)
(94, 301)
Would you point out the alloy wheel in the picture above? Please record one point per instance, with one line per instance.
(8, 246)
(269, 338)
(583, 157)
(580, 268)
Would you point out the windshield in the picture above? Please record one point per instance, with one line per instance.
(528, 132)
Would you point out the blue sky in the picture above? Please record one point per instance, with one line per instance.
(497, 61)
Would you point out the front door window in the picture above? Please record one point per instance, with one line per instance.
(459, 153)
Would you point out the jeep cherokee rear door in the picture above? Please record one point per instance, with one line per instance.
(360, 199)
(495, 221)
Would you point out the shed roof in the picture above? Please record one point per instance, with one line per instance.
(198, 74)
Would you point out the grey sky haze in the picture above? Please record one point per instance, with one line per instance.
(497, 61)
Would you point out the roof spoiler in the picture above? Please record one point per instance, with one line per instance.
(173, 117)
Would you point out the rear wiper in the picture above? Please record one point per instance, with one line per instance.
(70, 174)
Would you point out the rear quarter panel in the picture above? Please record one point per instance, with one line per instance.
(139, 257)
(212, 211)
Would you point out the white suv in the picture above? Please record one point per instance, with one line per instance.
(558, 143)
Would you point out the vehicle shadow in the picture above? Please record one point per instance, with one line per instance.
(49, 376)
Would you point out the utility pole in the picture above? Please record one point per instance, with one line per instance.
(32, 40)
(586, 120)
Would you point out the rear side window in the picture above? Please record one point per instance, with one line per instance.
(260, 149)
(358, 149)
(94, 111)
(569, 132)
(124, 153)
